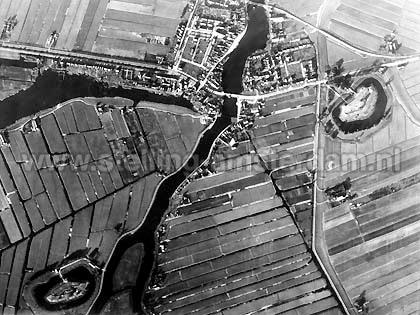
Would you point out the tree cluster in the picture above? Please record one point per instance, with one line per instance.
(336, 75)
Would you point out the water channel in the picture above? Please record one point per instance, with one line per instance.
(51, 89)
(255, 38)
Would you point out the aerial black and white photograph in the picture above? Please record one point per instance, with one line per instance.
(210, 157)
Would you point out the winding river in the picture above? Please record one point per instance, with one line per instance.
(255, 38)
(50, 89)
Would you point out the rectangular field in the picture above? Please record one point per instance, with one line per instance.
(365, 23)
(373, 239)
(83, 24)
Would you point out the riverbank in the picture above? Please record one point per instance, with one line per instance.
(254, 39)
(51, 89)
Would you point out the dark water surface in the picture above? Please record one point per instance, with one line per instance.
(50, 89)
(254, 39)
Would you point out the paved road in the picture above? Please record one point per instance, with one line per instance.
(33, 51)
(183, 41)
(318, 245)
(254, 98)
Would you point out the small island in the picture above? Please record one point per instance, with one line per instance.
(362, 106)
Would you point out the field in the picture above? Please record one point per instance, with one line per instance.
(11, 87)
(14, 79)
(121, 28)
(408, 29)
(372, 240)
(233, 248)
(69, 183)
(284, 140)
(365, 23)
(352, 61)
(409, 76)
(307, 10)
